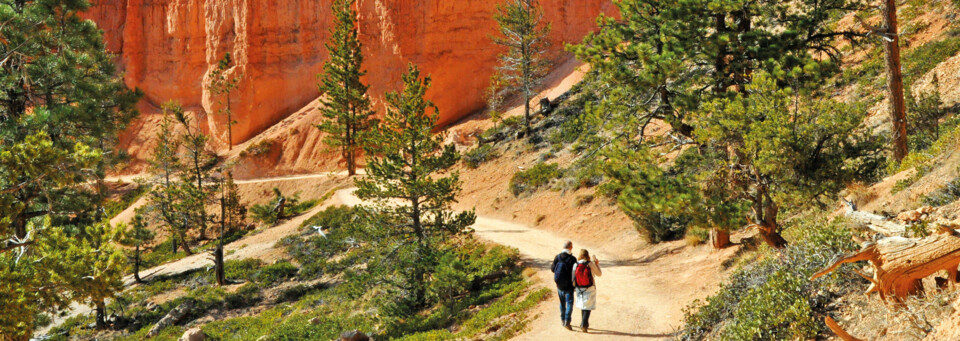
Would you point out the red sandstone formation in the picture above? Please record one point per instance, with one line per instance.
(168, 47)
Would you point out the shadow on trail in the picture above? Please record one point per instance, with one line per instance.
(635, 335)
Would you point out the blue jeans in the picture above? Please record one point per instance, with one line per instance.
(566, 305)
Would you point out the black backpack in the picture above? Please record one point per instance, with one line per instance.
(563, 271)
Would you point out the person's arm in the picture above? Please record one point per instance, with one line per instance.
(553, 267)
(595, 268)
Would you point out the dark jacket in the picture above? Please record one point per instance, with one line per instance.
(565, 280)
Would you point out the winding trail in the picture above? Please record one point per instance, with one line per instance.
(637, 298)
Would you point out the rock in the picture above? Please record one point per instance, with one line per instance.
(193, 334)
(173, 317)
(315, 320)
(354, 335)
(168, 48)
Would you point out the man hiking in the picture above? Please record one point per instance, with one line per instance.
(563, 275)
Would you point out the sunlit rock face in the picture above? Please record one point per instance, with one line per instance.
(167, 48)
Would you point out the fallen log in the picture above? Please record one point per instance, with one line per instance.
(901, 263)
(875, 222)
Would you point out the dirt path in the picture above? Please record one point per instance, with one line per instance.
(637, 298)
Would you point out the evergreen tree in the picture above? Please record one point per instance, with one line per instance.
(221, 85)
(137, 236)
(195, 175)
(665, 59)
(523, 32)
(496, 94)
(345, 104)
(409, 164)
(232, 214)
(61, 107)
(167, 193)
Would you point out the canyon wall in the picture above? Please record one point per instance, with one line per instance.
(167, 48)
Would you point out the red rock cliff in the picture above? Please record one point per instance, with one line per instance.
(168, 47)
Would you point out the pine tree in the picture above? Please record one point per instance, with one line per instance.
(221, 85)
(346, 106)
(407, 167)
(891, 57)
(523, 32)
(61, 108)
(665, 59)
(195, 174)
(137, 236)
(496, 94)
(168, 194)
(232, 214)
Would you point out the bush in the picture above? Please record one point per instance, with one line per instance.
(245, 296)
(477, 156)
(532, 179)
(277, 272)
(315, 252)
(943, 196)
(656, 227)
(292, 207)
(772, 299)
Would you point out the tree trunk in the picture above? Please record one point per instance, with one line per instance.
(771, 236)
(891, 49)
(101, 315)
(218, 265)
(901, 263)
(136, 264)
(719, 238)
(184, 246)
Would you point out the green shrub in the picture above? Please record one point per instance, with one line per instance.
(292, 207)
(477, 156)
(315, 252)
(242, 269)
(943, 196)
(277, 272)
(245, 296)
(114, 207)
(532, 179)
(773, 299)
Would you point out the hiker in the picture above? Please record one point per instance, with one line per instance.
(563, 275)
(586, 291)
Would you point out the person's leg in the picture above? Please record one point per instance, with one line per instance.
(585, 321)
(567, 314)
(565, 306)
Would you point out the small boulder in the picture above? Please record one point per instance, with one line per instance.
(354, 335)
(193, 334)
(315, 320)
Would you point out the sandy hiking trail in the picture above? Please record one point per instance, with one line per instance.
(638, 298)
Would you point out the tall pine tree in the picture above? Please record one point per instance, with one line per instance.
(61, 108)
(523, 32)
(345, 104)
(407, 167)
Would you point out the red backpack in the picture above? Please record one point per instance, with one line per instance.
(583, 277)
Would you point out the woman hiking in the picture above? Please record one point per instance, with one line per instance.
(586, 291)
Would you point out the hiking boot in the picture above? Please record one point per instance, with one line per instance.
(567, 325)
(584, 329)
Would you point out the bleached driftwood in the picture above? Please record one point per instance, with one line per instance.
(874, 222)
(901, 263)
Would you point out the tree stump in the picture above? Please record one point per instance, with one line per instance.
(901, 263)
(719, 238)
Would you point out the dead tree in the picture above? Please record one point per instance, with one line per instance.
(901, 263)
(891, 49)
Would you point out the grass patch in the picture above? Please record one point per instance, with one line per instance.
(534, 178)
(477, 156)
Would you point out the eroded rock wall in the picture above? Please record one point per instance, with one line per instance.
(167, 48)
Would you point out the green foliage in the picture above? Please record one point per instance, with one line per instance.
(924, 113)
(477, 156)
(258, 149)
(223, 80)
(410, 165)
(772, 298)
(319, 254)
(253, 270)
(345, 105)
(523, 33)
(292, 207)
(61, 108)
(113, 208)
(530, 180)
